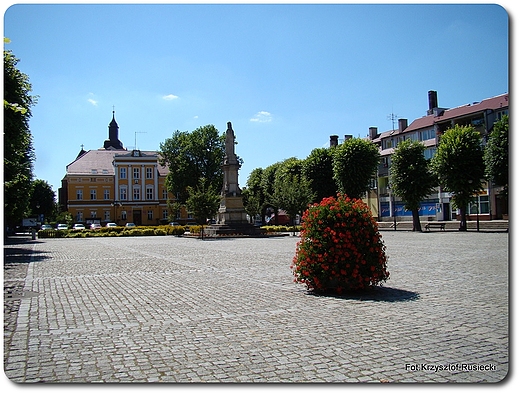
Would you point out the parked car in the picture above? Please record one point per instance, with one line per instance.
(46, 227)
(95, 226)
(78, 226)
(62, 227)
(111, 225)
(174, 224)
(130, 225)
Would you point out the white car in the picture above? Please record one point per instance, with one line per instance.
(46, 227)
(78, 226)
(95, 226)
(111, 225)
(130, 225)
(62, 227)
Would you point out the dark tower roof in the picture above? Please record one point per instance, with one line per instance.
(113, 135)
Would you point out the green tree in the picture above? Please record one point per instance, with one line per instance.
(496, 155)
(355, 163)
(65, 218)
(253, 194)
(203, 200)
(459, 166)
(18, 149)
(267, 182)
(191, 157)
(411, 177)
(293, 194)
(42, 200)
(292, 191)
(318, 169)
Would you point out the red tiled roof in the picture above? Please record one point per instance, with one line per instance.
(493, 103)
(101, 160)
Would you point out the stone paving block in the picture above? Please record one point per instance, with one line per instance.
(156, 309)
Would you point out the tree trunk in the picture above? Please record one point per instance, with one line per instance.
(416, 220)
(463, 222)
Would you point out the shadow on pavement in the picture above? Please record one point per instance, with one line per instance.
(19, 250)
(381, 294)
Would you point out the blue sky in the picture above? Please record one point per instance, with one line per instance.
(286, 76)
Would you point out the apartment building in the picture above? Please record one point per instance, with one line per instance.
(113, 184)
(481, 115)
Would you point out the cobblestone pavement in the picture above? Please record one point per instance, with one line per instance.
(169, 309)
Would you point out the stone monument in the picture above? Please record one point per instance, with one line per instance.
(231, 218)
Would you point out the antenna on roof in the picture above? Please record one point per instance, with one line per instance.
(135, 138)
(393, 117)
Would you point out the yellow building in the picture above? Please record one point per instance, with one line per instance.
(113, 184)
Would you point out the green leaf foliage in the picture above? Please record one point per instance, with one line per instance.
(191, 156)
(355, 163)
(410, 175)
(18, 149)
(496, 153)
(203, 201)
(459, 166)
(318, 169)
(459, 163)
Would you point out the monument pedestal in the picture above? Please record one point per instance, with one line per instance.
(232, 218)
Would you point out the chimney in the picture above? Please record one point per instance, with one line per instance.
(348, 136)
(403, 124)
(372, 133)
(432, 101)
(333, 140)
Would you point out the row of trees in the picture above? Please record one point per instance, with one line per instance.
(294, 183)
(460, 166)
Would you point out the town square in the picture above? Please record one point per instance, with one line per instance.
(178, 309)
(285, 193)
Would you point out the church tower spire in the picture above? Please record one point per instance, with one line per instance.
(113, 135)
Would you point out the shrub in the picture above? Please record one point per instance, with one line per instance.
(195, 229)
(340, 249)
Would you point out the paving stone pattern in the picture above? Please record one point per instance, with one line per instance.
(170, 309)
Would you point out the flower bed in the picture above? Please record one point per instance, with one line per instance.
(340, 249)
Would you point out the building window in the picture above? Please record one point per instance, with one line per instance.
(483, 205)
(429, 153)
(79, 194)
(122, 173)
(148, 173)
(93, 214)
(107, 215)
(165, 194)
(79, 216)
(427, 134)
(137, 193)
(122, 194)
(150, 215)
(106, 194)
(136, 172)
(149, 193)
(123, 215)
(165, 214)
(93, 194)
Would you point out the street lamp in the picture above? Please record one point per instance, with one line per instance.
(116, 204)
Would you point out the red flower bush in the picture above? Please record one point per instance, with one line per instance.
(340, 249)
